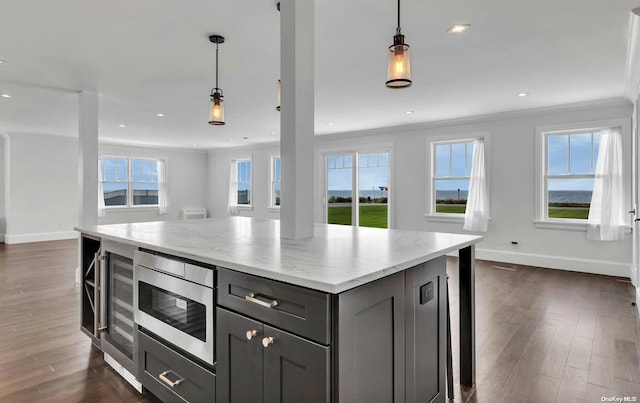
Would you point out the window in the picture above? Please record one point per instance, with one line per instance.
(570, 163)
(128, 182)
(450, 176)
(275, 182)
(357, 188)
(243, 182)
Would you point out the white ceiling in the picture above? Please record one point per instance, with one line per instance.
(149, 56)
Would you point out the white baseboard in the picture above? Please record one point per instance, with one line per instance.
(638, 299)
(44, 236)
(556, 262)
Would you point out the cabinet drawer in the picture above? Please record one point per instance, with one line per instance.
(158, 361)
(296, 309)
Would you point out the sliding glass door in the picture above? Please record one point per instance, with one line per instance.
(368, 172)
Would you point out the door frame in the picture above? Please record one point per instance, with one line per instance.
(355, 152)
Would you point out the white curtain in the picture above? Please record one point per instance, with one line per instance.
(163, 189)
(101, 207)
(476, 216)
(232, 203)
(606, 213)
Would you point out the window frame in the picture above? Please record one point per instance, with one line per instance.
(432, 142)
(236, 161)
(541, 219)
(130, 182)
(323, 153)
(273, 182)
(569, 175)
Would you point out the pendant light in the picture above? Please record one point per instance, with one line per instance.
(399, 64)
(216, 108)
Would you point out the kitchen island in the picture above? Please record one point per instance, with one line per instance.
(352, 314)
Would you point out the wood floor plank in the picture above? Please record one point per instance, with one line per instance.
(573, 385)
(43, 355)
(580, 353)
(626, 365)
(601, 371)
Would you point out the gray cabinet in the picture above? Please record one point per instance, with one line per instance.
(295, 370)
(425, 337)
(239, 367)
(257, 362)
(371, 363)
(172, 377)
(385, 340)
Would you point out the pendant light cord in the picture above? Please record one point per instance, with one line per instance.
(398, 29)
(217, 66)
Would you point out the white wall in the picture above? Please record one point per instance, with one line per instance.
(42, 188)
(186, 180)
(41, 182)
(512, 166)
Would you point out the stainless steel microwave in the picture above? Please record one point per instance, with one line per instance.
(174, 300)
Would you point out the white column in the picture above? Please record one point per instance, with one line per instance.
(297, 118)
(88, 158)
(87, 163)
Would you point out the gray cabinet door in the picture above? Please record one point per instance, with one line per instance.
(239, 360)
(371, 356)
(426, 332)
(295, 370)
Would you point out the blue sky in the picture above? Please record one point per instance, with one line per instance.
(372, 170)
(572, 155)
(115, 170)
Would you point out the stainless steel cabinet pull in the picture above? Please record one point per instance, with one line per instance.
(173, 384)
(252, 298)
(251, 334)
(267, 341)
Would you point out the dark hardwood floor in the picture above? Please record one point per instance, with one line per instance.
(43, 355)
(542, 335)
(546, 335)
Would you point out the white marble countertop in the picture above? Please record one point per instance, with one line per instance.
(336, 259)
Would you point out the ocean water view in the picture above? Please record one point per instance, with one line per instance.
(555, 196)
(363, 193)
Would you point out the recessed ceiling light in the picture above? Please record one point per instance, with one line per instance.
(160, 115)
(409, 112)
(523, 94)
(1, 61)
(273, 133)
(229, 139)
(194, 145)
(458, 28)
(122, 125)
(330, 124)
(5, 95)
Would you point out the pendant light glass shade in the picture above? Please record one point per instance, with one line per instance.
(399, 60)
(216, 109)
(399, 64)
(216, 106)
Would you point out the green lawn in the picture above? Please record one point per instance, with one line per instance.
(376, 215)
(370, 216)
(450, 208)
(569, 213)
